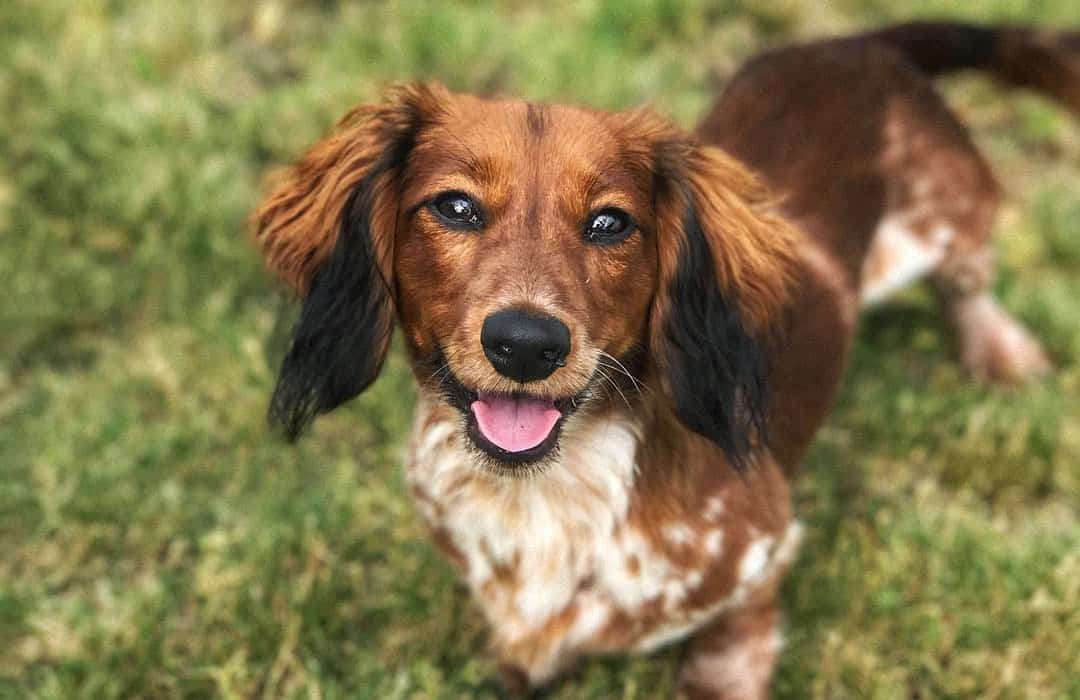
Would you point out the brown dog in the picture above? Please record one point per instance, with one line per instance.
(624, 338)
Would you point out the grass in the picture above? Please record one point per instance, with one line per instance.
(156, 540)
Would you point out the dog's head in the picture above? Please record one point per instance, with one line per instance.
(539, 259)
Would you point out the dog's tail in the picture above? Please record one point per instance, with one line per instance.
(1047, 62)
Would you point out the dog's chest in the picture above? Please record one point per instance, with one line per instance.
(557, 562)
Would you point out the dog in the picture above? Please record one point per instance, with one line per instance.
(625, 335)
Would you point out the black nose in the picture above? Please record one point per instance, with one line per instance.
(525, 346)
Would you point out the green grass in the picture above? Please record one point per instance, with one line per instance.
(155, 540)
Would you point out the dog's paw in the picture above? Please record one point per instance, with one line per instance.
(995, 347)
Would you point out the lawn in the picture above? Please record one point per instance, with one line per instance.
(157, 540)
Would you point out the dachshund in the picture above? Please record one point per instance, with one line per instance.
(625, 335)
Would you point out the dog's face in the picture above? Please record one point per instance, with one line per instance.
(525, 265)
(540, 259)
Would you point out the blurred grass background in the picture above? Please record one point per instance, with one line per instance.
(157, 541)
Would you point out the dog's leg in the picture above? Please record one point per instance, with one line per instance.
(992, 345)
(942, 199)
(733, 658)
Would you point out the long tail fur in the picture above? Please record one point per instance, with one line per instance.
(1047, 62)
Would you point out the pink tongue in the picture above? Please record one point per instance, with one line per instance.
(515, 423)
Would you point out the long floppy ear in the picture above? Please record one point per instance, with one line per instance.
(724, 262)
(327, 230)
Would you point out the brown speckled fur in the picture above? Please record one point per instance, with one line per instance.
(824, 177)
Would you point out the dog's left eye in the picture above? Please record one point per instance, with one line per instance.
(608, 226)
(458, 210)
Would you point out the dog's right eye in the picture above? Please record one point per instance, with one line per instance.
(458, 210)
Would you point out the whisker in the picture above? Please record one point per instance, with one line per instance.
(604, 381)
(621, 368)
(614, 385)
(441, 372)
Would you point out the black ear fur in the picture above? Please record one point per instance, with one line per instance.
(341, 338)
(339, 342)
(715, 368)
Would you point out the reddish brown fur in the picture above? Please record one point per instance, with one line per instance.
(298, 223)
(532, 254)
(842, 135)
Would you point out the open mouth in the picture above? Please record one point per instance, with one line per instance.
(518, 428)
(514, 429)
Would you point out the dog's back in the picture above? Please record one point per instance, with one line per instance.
(887, 185)
(842, 127)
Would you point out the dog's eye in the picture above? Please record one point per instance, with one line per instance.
(457, 209)
(608, 226)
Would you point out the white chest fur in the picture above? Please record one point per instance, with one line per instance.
(553, 560)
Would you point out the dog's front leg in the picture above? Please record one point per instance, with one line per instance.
(733, 657)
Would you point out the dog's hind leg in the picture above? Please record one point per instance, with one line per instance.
(942, 200)
(991, 344)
